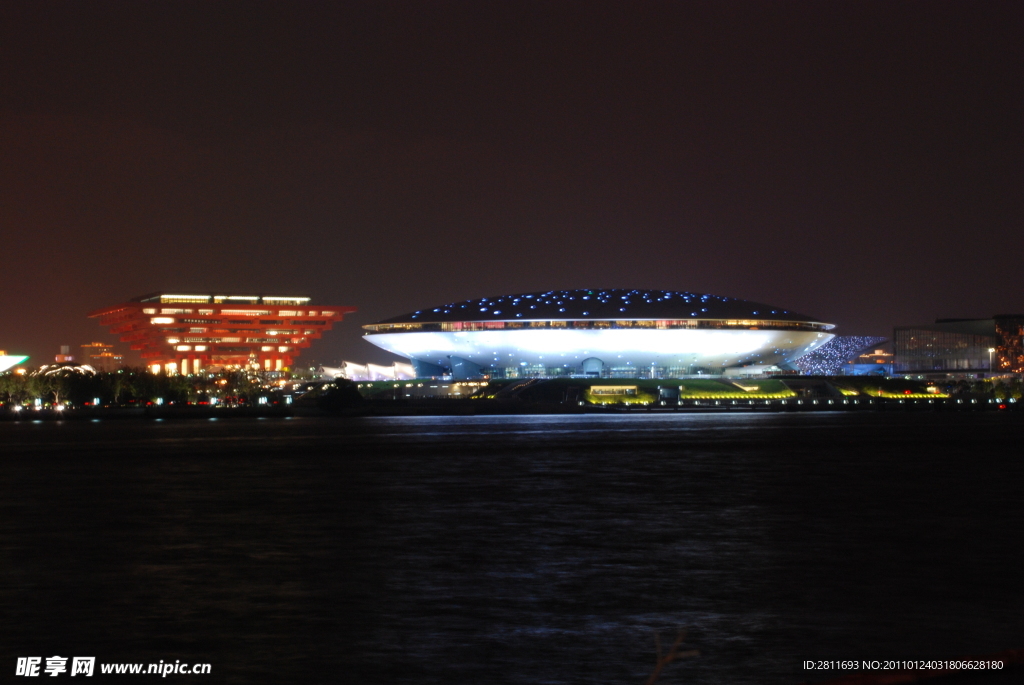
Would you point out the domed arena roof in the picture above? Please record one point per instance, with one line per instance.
(604, 304)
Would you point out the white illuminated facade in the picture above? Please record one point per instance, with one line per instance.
(369, 372)
(607, 333)
(8, 361)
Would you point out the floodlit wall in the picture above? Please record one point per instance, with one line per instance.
(622, 351)
(372, 372)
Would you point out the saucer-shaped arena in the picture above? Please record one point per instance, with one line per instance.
(607, 333)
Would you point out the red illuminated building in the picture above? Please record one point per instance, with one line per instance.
(190, 333)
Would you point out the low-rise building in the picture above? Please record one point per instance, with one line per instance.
(101, 357)
(961, 347)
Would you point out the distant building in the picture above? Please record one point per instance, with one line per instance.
(65, 356)
(101, 357)
(874, 363)
(961, 347)
(188, 333)
(369, 372)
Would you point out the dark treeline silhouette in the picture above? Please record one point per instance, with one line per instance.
(80, 386)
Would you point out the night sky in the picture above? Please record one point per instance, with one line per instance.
(856, 161)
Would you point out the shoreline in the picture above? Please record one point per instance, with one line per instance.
(491, 407)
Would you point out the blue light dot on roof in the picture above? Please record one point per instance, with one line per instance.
(559, 304)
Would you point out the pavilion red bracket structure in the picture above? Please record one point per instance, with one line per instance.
(191, 333)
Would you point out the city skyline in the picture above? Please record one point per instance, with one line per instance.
(860, 163)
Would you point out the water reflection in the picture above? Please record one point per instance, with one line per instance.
(511, 549)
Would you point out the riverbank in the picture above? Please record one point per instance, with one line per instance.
(511, 407)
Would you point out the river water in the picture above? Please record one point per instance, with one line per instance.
(526, 549)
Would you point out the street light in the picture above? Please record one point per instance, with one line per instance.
(990, 351)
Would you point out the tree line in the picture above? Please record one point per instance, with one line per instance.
(74, 386)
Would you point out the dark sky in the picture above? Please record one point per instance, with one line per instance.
(856, 161)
